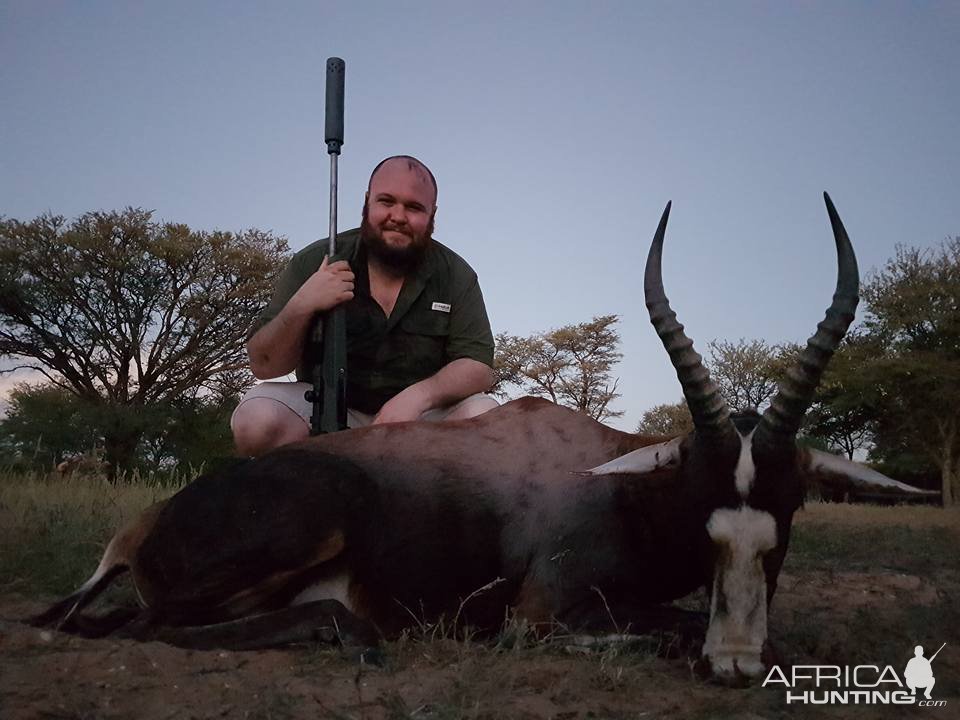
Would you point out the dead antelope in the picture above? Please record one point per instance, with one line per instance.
(367, 530)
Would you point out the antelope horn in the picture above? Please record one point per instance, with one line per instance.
(711, 417)
(781, 422)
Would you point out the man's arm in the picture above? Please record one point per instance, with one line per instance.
(276, 348)
(453, 382)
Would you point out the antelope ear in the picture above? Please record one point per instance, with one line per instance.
(643, 460)
(837, 471)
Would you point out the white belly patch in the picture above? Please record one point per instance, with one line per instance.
(332, 588)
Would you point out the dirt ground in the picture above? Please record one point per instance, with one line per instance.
(825, 617)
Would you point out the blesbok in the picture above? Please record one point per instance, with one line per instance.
(367, 530)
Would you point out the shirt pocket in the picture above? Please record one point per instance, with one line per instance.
(422, 344)
(433, 324)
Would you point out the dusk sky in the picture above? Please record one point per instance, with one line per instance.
(557, 131)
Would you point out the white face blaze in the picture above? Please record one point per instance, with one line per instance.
(738, 609)
(746, 471)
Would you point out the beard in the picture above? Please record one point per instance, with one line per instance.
(398, 260)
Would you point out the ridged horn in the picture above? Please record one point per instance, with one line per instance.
(781, 422)
(711, 417)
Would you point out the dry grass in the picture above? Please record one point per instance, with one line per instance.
(53, 530)
(912, 516)
(22, 496)
(906, 538)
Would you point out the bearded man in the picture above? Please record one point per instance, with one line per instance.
(419, 344)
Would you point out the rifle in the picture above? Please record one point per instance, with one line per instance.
(936, 653)
(329, 393)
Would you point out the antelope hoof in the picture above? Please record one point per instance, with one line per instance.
(736, 667)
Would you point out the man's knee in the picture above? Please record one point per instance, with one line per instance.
(472, 406)
(260, 424)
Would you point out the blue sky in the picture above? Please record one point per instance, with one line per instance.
(557, 132)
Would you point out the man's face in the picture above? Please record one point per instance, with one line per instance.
(398, 214)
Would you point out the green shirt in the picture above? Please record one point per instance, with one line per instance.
(439, 317)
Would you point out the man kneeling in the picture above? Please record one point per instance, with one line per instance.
(419, 344)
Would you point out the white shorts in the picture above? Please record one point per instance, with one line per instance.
(292, 394)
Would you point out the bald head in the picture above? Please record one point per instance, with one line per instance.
(407, 164)
(397, 223)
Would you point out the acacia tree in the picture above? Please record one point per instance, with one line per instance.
(45, 424)
(130, 315)
(666, 419)
(907, 374)
(747, 372)
(838, 418)
(570, 365)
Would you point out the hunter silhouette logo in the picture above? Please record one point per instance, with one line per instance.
(858, 684)
(919, 673)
